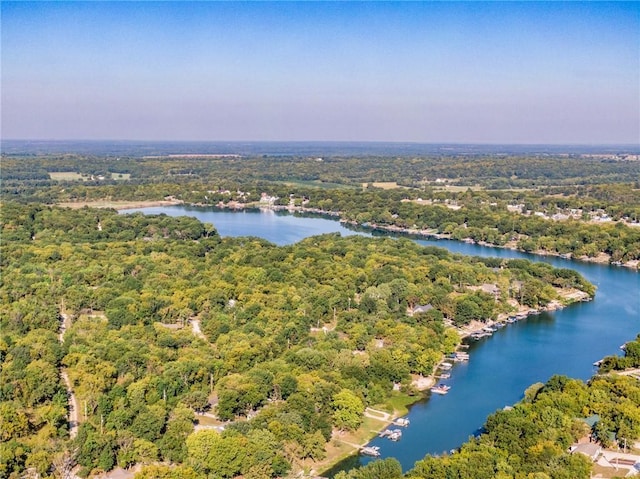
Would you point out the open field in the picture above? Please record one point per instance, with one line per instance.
(399, 404)
(73, 176)
(316, 184)
(458, 189)
(385, 185)
(120, 176)
(117, 205)
(66, 176)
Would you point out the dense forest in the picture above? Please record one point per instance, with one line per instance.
(582, 206)
(490, 170)
(300, 338)
(151, 340)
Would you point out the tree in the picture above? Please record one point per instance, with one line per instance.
(347, 410)
(313, 446)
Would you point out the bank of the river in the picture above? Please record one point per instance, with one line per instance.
(343, 445)
(601, 258)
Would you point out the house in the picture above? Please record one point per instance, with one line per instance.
(491, 289)
(591, 450)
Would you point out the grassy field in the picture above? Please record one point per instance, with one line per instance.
(344, 444)
(385, 185)
(117, 205)
(66, 176)
(316, 184)
(120, 176)
(73, 176)
(458, 189)
(399, 404)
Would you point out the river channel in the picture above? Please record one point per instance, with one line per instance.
(502, 366)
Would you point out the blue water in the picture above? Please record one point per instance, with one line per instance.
(501, 367)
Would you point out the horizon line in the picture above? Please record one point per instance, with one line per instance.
(397, 142)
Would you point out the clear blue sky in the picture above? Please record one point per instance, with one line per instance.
(476, 72)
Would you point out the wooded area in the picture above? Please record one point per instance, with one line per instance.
(159, 323)
(573, 205)
(126, 282)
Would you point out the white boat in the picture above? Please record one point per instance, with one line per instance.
(404, 422)
(440, 389)
(479, 335)
(370, 451)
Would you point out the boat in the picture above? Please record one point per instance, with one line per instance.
(440, 389)
(445, 366)
(370, 451)
(393, 434)
(404, 422)
(460, 357)
(445, 376)
(479, 335)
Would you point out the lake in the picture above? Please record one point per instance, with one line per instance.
(501, 367)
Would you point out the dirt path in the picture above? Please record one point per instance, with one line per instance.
(375, 414)
(73, 406)
(195, 327)
(73, 402)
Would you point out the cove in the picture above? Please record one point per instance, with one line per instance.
(501, 367)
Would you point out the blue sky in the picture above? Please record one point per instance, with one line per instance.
(461, 72)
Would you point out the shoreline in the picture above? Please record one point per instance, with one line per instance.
(567, 297)
(602, 258)
(424, 383)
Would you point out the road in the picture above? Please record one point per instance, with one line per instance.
(73, 402)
